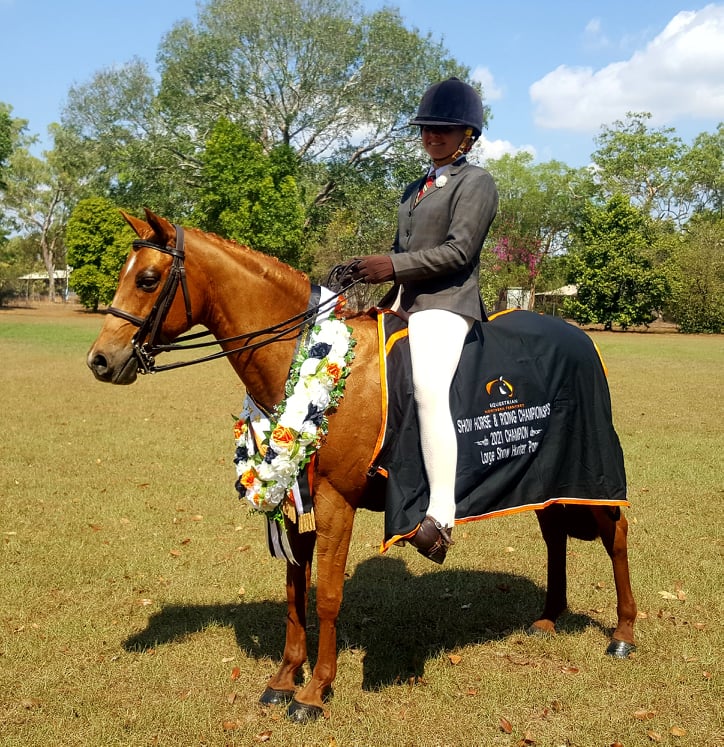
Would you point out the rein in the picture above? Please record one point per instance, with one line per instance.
(147, 341)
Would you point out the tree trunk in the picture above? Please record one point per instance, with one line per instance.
(47, 245)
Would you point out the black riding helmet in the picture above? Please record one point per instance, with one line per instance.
(451, 102)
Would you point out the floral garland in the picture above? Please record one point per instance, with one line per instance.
(271, 452)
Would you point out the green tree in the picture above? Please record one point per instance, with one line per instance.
(251, 196)
(703, 172)
(333, 84)
(17, 257)
(329, 82)
(129, 154)
(6, 140)
(611, 263)
(361, 218)
(642, 163)
(538, 205)
(98, 241)
(34, 205)
(40, 193)
(697, 303)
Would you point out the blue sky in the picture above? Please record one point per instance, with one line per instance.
(553, 72)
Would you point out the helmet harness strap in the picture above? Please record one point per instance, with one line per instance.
(465, 145)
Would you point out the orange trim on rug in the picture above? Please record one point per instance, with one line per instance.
(501, 313)
(539, 506)
(385, 546)
(600, 357)
(382, 359)
(312, 471)
(394, 339)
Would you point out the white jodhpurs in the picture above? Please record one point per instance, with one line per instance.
(436, 341)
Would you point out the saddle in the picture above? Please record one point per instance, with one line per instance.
(532, 410)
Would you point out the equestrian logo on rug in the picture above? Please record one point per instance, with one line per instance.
(505, 388)
(507, 428)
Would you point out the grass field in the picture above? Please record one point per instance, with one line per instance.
(139, 606)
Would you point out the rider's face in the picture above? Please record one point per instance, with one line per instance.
(441, 141)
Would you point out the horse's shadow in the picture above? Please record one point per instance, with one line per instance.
(399, 620)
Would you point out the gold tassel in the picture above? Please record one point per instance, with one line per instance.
(290, 511)
(306, 522)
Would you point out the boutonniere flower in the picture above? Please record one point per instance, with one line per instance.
(441, 181)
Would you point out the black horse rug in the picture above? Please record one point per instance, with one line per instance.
(532, 411)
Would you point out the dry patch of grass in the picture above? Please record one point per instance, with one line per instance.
(139, 605)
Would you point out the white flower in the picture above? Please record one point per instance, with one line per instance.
(266, 472)
(285, 468)
(441, 181)
(318, 393)
(309, 368)
(273, 496)
(335, 333)
(307, 434)
(295, 411)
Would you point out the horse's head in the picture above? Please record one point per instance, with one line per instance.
(152, 303)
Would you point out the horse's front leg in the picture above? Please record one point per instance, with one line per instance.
(553, 528)
(280, 688)
(613, 528)
(335, 518)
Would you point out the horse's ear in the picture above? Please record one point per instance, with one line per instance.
(141, 228)
(161, 227)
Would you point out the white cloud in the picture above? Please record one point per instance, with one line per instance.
(677, 75)
(593, 35)
(491, 91)
(593, 27)
(490, 150)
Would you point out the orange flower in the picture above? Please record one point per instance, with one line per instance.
(283, 436)
(334, 371)
(248, 478)
(239, 429)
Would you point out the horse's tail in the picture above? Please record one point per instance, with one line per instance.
(580, 522)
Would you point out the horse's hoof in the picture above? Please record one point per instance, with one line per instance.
(301, 713)
(620, 649)
(540, 632)
(270, 696)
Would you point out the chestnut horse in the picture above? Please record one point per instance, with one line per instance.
(176, 279)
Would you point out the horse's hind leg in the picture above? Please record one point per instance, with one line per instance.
(280, 688)
(553, 528)
(613, 529)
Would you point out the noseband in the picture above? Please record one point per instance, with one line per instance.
(146, 341)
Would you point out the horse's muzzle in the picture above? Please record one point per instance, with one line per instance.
(106, 369)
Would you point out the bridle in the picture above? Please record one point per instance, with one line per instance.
(147, 341)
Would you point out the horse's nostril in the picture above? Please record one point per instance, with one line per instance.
(98, 364)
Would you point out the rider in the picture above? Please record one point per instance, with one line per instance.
(443, 220)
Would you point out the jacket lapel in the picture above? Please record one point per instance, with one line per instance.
(451, 172)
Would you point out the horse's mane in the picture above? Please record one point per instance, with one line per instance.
(265, 262)
(281, 273)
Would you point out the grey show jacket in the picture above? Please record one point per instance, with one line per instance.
(437, 248)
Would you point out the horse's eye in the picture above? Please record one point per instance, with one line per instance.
(148, 280)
